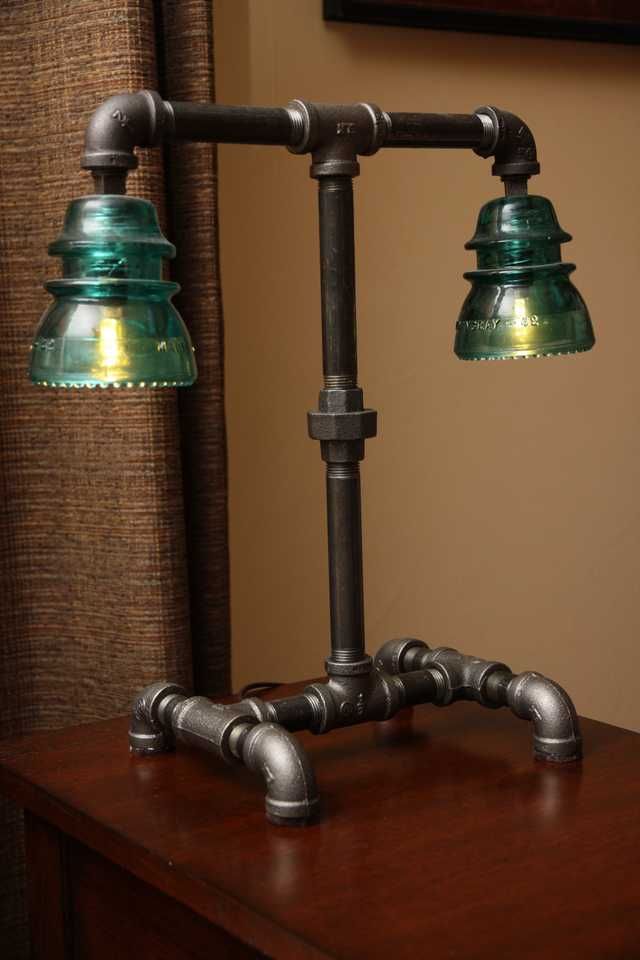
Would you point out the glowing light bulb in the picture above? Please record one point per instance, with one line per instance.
(112, 322)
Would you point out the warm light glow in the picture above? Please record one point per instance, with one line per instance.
(520, 319)
(116, 329)
(520, 311)
(111, 351)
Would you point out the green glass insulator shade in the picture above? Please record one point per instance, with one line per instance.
(522, 302)
(112, 322)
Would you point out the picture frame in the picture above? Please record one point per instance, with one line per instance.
(608, 21)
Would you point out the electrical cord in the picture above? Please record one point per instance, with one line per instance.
(259, 685)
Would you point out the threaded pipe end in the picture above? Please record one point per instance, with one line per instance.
(345, 381)
(343, 471)
(441, 697)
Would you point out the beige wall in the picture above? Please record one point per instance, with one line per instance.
(501, 505)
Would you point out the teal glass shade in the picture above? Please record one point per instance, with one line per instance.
(522, 302)
(112, 322)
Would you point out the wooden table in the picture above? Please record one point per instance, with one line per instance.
(441, 837)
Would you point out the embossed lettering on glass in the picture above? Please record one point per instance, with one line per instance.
(521, 303)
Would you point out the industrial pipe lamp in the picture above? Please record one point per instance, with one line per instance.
(112, 324)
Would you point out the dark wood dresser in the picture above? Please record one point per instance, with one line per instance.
(441, 838)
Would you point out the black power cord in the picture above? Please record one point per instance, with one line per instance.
(259, 685)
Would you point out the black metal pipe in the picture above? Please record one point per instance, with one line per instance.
(435, 130)
(221, 124)
(420, 686)
(294, 713)
(346, 593)
(337, 282)
(340, 368)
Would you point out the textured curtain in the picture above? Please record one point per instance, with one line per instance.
(113, 540)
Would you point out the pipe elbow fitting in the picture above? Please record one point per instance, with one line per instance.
(147, 734)
(292, 796)
(119, 124)
(513, 147)
(555, 723)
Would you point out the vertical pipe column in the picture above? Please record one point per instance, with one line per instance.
(341, 395)
(345, 562)
(338, 283)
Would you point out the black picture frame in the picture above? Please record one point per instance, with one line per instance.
(617, 22)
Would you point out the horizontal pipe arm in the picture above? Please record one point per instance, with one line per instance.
(437, 130)
(334, 134)
(220, 124)
(347, 700)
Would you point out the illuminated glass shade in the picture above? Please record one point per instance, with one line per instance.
(112, 322)
(522, 302)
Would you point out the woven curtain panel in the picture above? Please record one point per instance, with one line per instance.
(100, 527)
(188, 74)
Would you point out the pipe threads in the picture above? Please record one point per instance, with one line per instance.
(346, 656)
(340, 381)
(348, 663)
(300, 126)
(317, 712)
(442, 697)
(343, 471)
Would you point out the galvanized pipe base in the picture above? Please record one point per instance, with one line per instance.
(404, 673)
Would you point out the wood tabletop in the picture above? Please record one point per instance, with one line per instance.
(440, 837)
